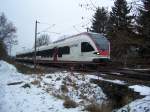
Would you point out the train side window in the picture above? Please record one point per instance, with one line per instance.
(63, 50)
(45, 53)
(86, 47)
(66, 50)
(51, 52)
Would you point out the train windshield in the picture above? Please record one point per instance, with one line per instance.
(101, 41)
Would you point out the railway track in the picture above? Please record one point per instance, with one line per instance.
(130, 76)
(127, 75)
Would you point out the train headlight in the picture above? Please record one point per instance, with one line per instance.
(97, 53)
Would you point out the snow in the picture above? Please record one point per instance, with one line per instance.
(140, 105)
(43, 97)
(143, 90)
(78, 86)
(15, 98)
(107, 80)
(116, 73)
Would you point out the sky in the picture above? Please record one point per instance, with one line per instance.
(57, 18)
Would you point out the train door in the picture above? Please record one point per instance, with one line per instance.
(74, 52)
(55, 54)
(87, 51)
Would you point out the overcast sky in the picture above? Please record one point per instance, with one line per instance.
(65, 14)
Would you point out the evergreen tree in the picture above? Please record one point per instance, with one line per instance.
(119, 16)
(144, 27)
(120, 28)
(100, 20)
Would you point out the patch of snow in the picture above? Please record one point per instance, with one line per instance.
(142, 69)
(79, 87)
(100, 78)
(94, 77)
(6, 67)
(117, 81)
(116, 73)
(143, 90)
(103, 74)
(140, 105)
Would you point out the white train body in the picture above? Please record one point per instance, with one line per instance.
(84, 47)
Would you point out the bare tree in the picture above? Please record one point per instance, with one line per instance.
(7, 33)
(43, 40)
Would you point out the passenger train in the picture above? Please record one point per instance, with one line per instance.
(83, 48)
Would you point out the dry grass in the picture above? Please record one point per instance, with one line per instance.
(99, 108)
(35, 82)
(23, 69)
(64, 88)
(26, 69)
(60, 96)
(68, 103)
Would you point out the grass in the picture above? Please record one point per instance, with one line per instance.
(24, 68)
(94, 107)
(68, 103)
(35, 82)
(60, 96)
(64, 88)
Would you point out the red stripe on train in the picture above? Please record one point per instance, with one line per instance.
(104, 53)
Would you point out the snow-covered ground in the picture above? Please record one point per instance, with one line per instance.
(15, 98)
(47, 92)
(140, 105)
(43, 97)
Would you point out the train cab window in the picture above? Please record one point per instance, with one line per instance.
(86, 47)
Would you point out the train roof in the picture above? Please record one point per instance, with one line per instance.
(84, 33)
(91, 34)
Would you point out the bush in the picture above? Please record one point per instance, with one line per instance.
(35, 82)
(3, 52)
(70, 103)
(64, 88)
(98, 108)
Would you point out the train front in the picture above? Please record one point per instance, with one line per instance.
(103, 47)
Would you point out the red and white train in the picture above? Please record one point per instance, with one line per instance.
(82, 48)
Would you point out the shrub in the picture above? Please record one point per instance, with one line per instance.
(98, 108)
(3, 51)
(64, 88)
(70, 103)
(35, 82)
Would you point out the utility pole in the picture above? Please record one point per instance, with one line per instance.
(35, 45)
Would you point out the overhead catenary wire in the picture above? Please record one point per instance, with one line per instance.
(46, 29)
(87, 5)
(44, 23)
(94, 6)
(76, 29)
